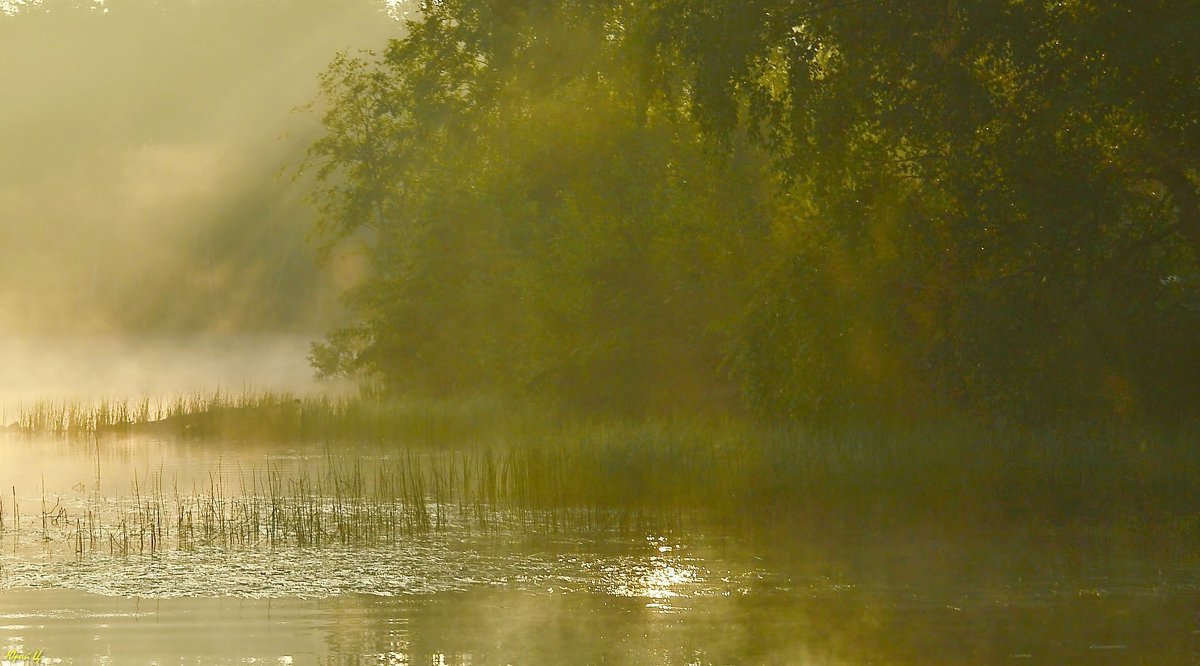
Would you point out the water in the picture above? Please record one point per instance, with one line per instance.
(470, 595)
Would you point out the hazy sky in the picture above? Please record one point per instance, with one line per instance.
(147, 241)
(140, 146)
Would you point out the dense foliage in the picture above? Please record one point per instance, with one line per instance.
(793, 207)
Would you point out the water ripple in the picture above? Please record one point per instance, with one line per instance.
(422, 567)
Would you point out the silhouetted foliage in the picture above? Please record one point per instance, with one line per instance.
(799, 208)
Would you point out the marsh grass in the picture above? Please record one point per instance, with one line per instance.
(342, 503)
(485, 465)
(270, 416)
(954, 478)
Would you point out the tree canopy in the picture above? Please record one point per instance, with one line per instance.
(790, 207)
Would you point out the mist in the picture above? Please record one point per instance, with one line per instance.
(148, 190)
(487, 331)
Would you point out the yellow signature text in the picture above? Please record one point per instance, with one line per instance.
(14, 656)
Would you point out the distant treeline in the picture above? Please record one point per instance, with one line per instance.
(796, 209)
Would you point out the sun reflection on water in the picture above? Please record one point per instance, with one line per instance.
(659, 577)
(13, 7)
(661, 581)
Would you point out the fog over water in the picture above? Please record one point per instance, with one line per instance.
(147, 154)
(124, 368)
(644, 390)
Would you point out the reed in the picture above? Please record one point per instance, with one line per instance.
(483, 465)
(634, 479)
(274, 416)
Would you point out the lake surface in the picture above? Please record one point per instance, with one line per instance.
(466, 594)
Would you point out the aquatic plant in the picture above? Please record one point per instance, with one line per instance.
(484, 464)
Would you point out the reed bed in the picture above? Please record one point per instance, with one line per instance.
(367, 415)
(487, 466)
(627, 479)
(345, 503)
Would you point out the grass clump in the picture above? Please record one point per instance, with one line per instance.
(493, 464)
(270, 416)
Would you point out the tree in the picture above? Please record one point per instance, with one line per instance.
(533, 223)
(1013, 182)
(816, 207)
